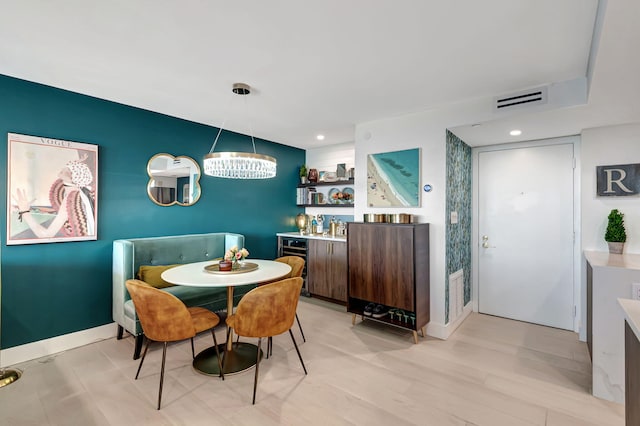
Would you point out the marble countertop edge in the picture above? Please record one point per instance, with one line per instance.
(607, 260)
(631, 309)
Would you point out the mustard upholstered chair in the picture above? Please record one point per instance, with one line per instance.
(297, 266)
(267, 311)
(165, 318)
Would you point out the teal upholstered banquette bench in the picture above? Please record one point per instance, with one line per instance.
(129, 255)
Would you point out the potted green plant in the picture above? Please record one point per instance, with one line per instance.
(615, 235)
(303, 174)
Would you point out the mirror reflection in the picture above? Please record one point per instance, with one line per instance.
(173, 180)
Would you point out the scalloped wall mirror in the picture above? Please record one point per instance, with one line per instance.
(173, 180)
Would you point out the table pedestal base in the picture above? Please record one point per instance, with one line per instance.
(241, 358)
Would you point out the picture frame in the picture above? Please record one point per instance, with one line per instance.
(393, 179)
(52, 190)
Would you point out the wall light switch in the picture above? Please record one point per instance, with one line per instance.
(454, 217)
(635, 291)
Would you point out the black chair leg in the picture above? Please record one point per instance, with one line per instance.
(215, 344)
(120, 332)
(300, 327)
(193, 350)
(298, 351)
(144, 354)
(136, 351)
(223, 358)
(255, 380)
(269, 343)
(164, 356)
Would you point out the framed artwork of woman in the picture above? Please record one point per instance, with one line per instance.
(52, 190)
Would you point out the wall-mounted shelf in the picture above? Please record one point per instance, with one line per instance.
(322, 183)
(307, 192)
(325, 205)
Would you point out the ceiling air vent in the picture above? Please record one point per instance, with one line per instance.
(532, 97)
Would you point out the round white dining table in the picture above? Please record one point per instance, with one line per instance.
(239, 356)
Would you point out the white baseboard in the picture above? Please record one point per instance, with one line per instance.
(34, 350)
(443, 331)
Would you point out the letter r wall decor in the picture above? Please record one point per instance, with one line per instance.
(618, 180)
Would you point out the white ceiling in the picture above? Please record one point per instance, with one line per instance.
(324, 66)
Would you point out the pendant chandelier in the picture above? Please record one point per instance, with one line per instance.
(239, 165)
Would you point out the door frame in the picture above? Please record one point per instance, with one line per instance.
(578, 299)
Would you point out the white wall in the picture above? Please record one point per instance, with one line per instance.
(425, 130)
(326, 159)
(600, 147)
(604, 146)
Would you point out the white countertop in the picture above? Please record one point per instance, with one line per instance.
(631, 310)
(607, 260)
(338, 238)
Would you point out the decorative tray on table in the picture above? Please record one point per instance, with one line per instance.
(246, 267)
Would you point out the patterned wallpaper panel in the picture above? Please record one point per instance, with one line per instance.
(458, 236)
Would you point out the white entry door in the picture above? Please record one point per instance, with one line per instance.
(525, 225)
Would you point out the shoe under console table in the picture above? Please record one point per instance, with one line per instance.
(388, 264)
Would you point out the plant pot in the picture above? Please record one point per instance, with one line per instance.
(303, 180)
(616, 248)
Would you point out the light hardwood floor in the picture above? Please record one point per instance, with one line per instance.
(492, 371)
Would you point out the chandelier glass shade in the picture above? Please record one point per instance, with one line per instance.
(239, 165)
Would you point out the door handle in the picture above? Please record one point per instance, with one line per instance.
(485, 242)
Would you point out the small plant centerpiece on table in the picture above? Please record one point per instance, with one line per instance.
(615, 235)
(236, 255)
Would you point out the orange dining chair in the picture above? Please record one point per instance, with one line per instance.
(165, 318)
(297, 266)
(266, 311)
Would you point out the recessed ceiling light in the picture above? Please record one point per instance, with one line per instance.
(515, 132)
(320, 137)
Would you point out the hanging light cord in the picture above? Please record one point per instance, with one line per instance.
(239, 165)
(253, 142)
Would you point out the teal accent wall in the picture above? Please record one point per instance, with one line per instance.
(458, 236)
(58, 288)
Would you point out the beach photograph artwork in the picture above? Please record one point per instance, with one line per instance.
(393, 179)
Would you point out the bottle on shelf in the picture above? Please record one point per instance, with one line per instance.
(333, 226)
(320, 228)
(314, 226)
